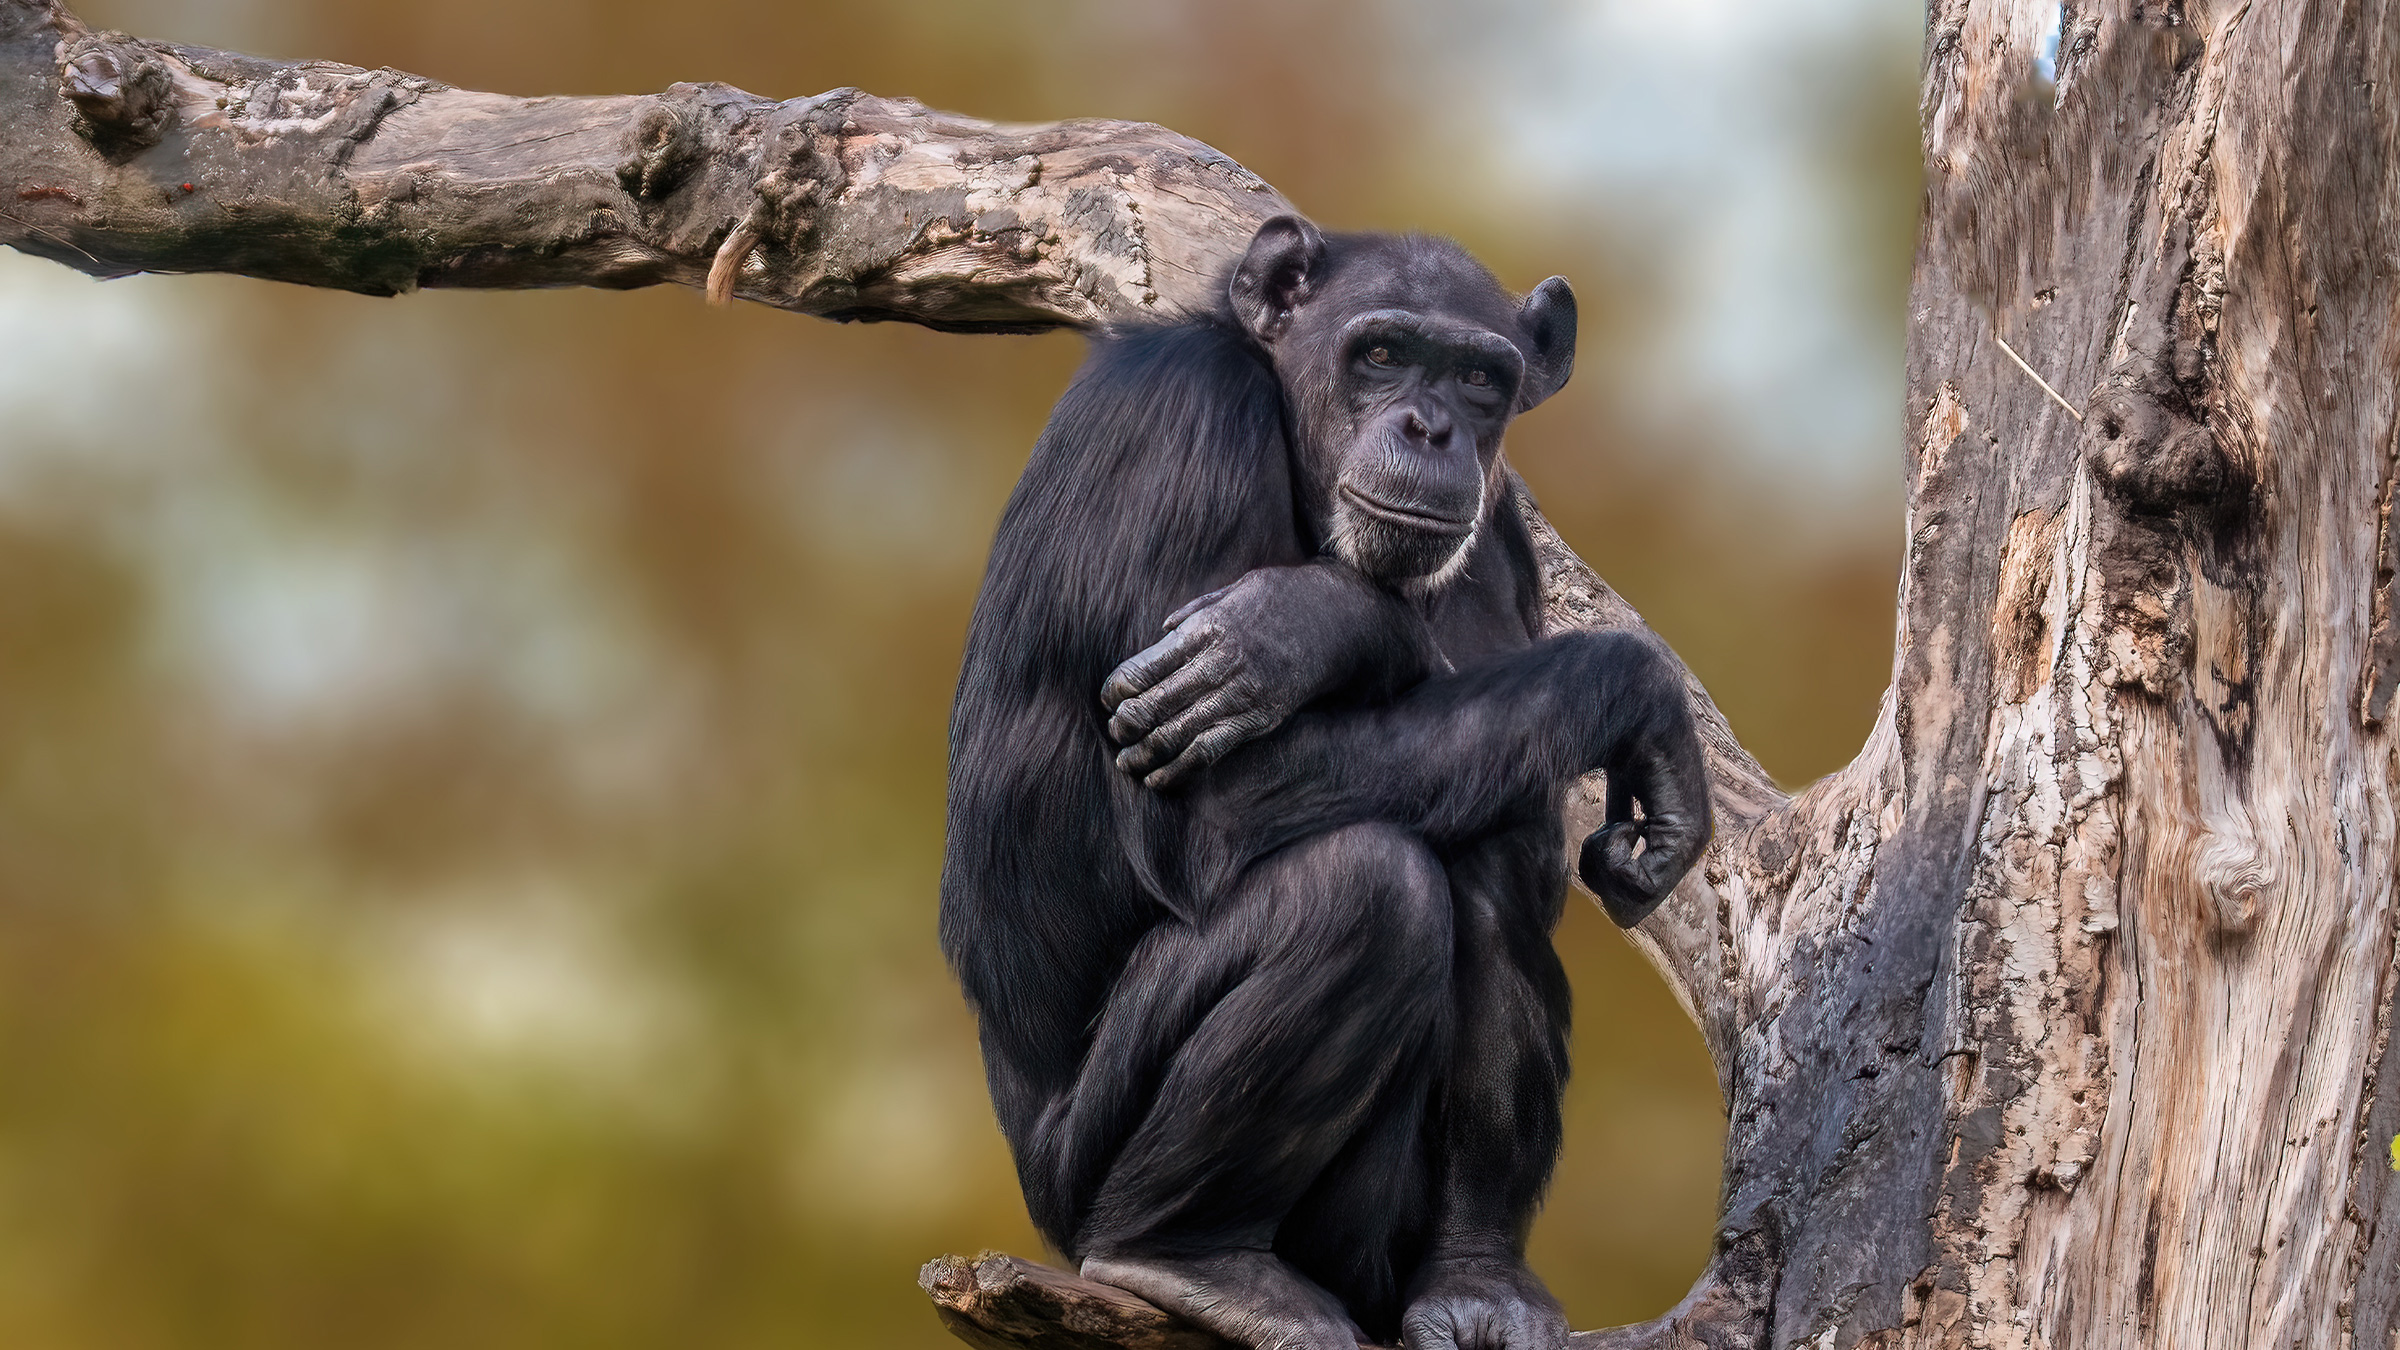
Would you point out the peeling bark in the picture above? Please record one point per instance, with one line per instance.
(2061, 1016)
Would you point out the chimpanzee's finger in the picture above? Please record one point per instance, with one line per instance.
(1674, 829)
(1680, 817)
(1535, 1331)
(1210, 746)
(1152, 663)
(1168, 739)
(1198, 678)
(1672, 842)
(1427, 1330)
(1161, 747)
(1195, 605)
(1605, 865)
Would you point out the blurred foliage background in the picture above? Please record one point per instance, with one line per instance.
(471, 765)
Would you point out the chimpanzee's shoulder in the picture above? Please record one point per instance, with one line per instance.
(1205, 357)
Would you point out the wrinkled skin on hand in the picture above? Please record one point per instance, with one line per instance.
(1238, 661)
(1481, 1303)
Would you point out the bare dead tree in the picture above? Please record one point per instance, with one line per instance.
(2060, 1017)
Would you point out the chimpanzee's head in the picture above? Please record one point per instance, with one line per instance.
(1402, 361)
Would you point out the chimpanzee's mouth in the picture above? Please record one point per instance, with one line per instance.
(1422, 521)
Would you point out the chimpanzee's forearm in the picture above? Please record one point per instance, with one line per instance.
(1390, 647)
(1459, 755)
(1239, 660)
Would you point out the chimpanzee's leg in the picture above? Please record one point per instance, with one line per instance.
(1239, 1056)
(1361, 1229)
(1466, 1174)
(1497, 1101)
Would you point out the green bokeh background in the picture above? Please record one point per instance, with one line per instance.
(471, 765)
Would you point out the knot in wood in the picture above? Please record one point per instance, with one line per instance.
(803, 164)
(2058, 1176)
(2236, 875)
(2158, 460)
(669, 142)
(125, 96)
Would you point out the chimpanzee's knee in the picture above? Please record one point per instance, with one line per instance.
(1368, 901)
(1320, 983)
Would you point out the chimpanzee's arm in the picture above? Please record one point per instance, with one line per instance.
(1460, 756)
(1239, 660)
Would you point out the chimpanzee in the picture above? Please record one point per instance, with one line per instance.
(1257, 922)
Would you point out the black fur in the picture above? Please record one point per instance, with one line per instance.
(1306, 1002)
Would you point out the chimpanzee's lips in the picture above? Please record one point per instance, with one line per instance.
(1423, 521)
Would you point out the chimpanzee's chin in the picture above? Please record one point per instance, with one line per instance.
(1394, 553)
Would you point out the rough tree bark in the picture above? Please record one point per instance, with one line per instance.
(2061, 1016)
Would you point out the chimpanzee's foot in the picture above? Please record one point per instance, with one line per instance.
(1250, 1298)
(1481, 1303)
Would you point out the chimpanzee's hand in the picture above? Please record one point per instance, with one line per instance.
(1481, 1303)
(1239, 660)
(1660, 763)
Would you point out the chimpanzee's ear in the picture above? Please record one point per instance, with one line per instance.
(1548, 320)
(1285, 256)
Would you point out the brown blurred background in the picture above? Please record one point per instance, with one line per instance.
(471, 765)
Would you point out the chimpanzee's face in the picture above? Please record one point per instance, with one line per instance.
(1419, 403)
(1402, 362)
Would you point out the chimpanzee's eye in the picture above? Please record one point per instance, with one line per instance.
(1380, 356)
(1481, 379)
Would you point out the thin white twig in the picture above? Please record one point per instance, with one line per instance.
(2037, 378)
(61, 240)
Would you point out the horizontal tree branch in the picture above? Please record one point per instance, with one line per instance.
(995, 1301)
(132, 156)
(999, 1302)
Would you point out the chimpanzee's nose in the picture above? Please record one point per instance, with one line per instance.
(1434, 430)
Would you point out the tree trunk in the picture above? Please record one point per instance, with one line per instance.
(2058, 1018)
